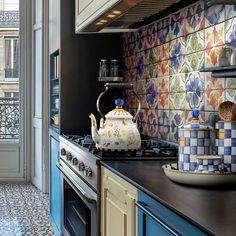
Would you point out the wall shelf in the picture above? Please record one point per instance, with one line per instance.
(221, 71)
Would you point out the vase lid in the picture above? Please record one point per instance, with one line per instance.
(195, 123)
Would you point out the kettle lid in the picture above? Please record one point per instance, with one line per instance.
(119, 112)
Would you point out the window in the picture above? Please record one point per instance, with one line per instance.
(11, 58)
(11, 5)
(11, 94)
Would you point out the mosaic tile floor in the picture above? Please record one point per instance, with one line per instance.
(23, 211)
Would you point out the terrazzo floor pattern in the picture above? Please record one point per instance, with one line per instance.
(24, 211)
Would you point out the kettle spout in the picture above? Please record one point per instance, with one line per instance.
(94, 130)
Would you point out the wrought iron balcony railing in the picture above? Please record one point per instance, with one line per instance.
(9, 118)
(9, 19)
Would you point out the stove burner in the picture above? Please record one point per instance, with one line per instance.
(150, 148)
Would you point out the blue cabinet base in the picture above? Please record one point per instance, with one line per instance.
(54, 184)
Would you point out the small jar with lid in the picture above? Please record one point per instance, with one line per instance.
(194, 139)
(114, 68)
(103, 69)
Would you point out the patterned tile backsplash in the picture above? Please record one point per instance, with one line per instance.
(163, 61)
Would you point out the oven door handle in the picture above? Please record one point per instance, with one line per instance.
(81, 190)
(142, 206)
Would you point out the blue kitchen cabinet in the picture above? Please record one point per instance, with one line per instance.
(54, 193)
(154, 219)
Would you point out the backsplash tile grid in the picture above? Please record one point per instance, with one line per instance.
(163, 60)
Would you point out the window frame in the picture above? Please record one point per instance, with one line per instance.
(12, 38)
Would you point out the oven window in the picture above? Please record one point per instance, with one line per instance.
(77, 215)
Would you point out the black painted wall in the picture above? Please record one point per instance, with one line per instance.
(80, 56)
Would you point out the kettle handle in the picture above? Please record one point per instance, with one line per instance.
(118, 86)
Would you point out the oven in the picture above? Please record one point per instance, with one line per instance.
(79, 204)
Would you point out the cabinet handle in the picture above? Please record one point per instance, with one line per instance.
(142, 206)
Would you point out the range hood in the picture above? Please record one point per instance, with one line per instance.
(128, 15)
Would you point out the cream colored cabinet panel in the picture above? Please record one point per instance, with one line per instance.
(118, 213)
(89, 11)
(83, 4)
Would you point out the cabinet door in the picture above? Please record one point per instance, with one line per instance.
(89, 11)
(118, 206)
(155, 219)
(54, 185)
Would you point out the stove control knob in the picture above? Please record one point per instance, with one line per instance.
(75, 161)
(63, 151)
(68, 156)
(81, 166)
(88, 172)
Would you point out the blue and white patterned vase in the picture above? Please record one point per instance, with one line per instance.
(194, 139)
(209, 164)
(226, 144)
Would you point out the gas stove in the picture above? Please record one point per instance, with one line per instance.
(150, 149)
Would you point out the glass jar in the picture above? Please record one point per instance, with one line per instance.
(103, 70)
(114, 68)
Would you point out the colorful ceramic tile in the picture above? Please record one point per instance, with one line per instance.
(209, 37)
(141, 72)
(214, 15)
(163, 23)
(230, 11)
(141, 87)
(230, 95)
(195, 23)
(195, 100)
(152, 71)
(177, 101)
(177, 83)
(215, 36)
(163, 52)
(151, 93)
(163, 68)
(213, 98)
(125, 37)
(188, 116)
(177, 65)
(195, 42)
(194, 61)
(152, 131)
(131, 75)
(151, 40)
(149, 56)
(142, 115)
(163, 35)
(195, 81)
(230, 83)
(151, 28)
(177, 24)
(195, 8)
(163, 100)
(230, 32)
(163, 124)
(143, 128)
(213, 83)
(131, 37)
(143, 100)
(177, 47)
(212, 56)
(162, 84)
(131, 101)
(177, 118)
(152, 117)
(139, 44)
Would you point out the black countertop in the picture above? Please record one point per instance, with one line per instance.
(213, 209)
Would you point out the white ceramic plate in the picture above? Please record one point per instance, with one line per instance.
(195, 178)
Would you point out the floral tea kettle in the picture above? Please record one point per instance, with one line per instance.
(118, 132)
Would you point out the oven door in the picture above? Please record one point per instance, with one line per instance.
(80, 211)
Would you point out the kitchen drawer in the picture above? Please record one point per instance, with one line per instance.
(155, 219)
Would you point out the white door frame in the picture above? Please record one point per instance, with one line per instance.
(25, 85)
(42, 183)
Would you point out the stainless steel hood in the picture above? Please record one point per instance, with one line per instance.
(134, 14)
